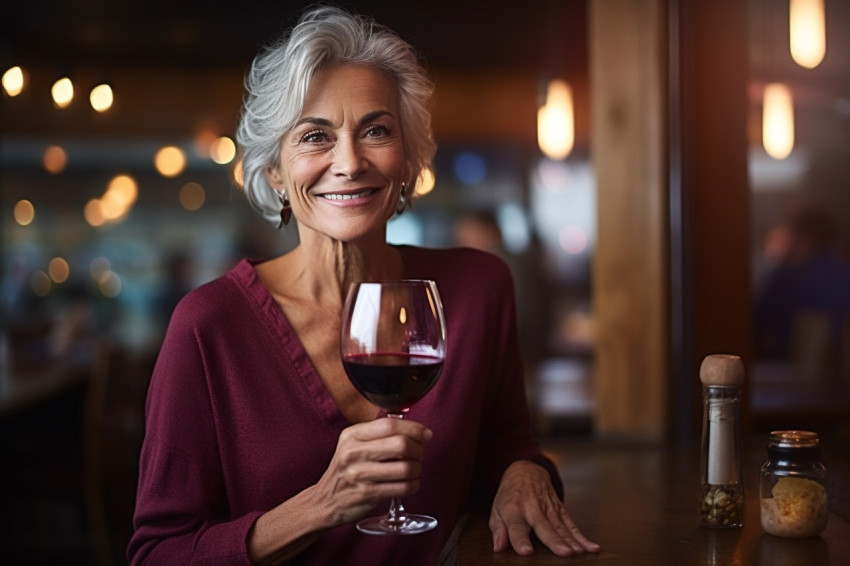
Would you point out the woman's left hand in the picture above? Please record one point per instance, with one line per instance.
(525, 502)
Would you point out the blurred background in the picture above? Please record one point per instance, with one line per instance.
(120, 193)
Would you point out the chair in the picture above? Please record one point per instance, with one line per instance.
(113, 433)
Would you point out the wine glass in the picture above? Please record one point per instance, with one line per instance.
(393, 346)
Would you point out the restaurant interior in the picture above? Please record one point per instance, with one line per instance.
(649, 169)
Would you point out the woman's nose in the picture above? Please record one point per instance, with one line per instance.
(347, 158)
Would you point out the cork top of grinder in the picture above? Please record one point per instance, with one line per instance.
(724, 370)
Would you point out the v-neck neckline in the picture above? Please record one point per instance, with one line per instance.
(293, 352)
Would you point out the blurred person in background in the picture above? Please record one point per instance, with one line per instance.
(258, 449)
(804, 301)
(480, 230)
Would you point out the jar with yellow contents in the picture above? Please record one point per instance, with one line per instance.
(793, 486)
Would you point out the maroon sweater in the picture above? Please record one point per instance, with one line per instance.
(238, 421)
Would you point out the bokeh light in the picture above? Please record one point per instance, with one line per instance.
(205, 136)
(62, 92)
(572, 239)
(118, 199)
(59, 270)
(110, 284)
(425, 183)
(14, 80)
(223, 150)
(470, 168)
(54, 159)
(192, 196)
(238, 176)
(170, 161)
(93, 213)
(24, 212)
(100, 268)
(123, 190)
(101, 97)
(40, 283)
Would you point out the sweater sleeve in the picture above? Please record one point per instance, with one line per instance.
(506, 434)
(181, 504)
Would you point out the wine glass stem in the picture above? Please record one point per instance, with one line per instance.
(396, 515)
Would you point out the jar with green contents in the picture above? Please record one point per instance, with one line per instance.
(793, 486)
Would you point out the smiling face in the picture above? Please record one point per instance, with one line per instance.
(342, 163)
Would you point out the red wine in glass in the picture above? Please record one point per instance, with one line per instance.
(393, 345)
(393, 381)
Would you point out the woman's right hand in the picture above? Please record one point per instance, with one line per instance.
(373, 461)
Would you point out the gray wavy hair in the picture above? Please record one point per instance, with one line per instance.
(277, 83)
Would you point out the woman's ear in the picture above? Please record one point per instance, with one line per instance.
(274, 178)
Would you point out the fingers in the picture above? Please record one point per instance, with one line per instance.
(382, 442)
(560, 535)
(503, 539)
(526, 503)
(373, 461)
(382, 452)
(513, 527)
(380, 428)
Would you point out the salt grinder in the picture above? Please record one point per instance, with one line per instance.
(722, 493)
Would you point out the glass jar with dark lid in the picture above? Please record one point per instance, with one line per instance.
(793, 485)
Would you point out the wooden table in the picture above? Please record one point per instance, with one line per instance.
(640, 504)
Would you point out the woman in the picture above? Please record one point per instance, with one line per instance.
(258, 448)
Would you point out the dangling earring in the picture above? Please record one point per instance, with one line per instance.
(286, 209)
(402, 201)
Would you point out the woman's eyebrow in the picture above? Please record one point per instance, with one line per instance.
(328, 124)
(374, 115)
(314, 120)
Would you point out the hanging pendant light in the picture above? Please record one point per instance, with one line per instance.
(807, 32)
(778, 121)
(555, 121)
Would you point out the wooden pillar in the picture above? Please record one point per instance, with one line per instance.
(669, 146)
(628, 49)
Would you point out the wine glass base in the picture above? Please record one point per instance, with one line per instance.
(414, 524)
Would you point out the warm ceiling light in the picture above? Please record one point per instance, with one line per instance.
(222, 150)
(62, 92)
(778, 121)
(555, 125)
(807, 32)
(170, 161)
(14, 81)
(101, 97)
(54, 159)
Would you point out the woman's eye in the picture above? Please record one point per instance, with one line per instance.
(315, 136)
(376, 130)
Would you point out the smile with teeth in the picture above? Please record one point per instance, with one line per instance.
(338, 196)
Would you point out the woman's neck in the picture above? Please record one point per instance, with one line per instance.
(322, 269)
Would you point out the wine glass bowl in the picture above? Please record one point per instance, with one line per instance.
(393, 346)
